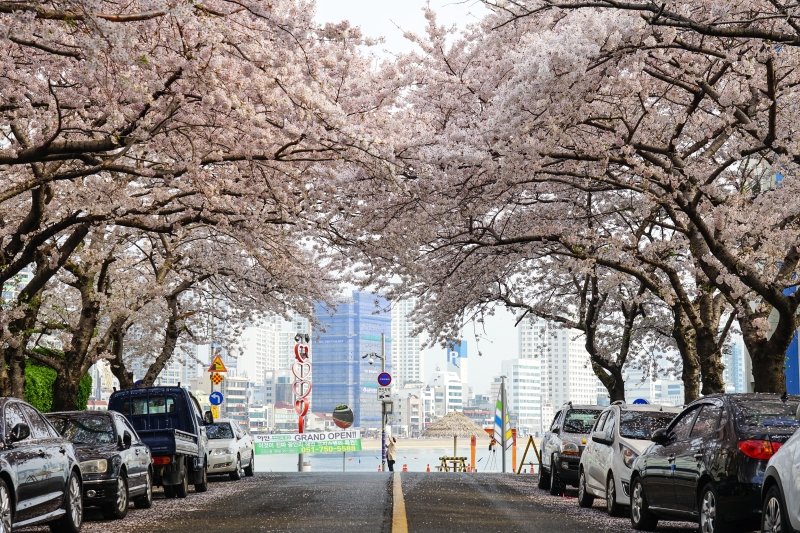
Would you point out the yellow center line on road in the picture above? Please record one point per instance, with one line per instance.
(399, 523)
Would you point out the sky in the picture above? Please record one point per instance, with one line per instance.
(382, 18)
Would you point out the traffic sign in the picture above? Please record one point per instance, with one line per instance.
(216, 379)
(640, 401)
(384, 394)
(215, 411)
(215, 398)
(385, 379)
(217, 365)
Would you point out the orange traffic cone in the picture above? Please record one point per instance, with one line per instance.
(429, 468)
(469, 468)
(379, 468)
(405, 468)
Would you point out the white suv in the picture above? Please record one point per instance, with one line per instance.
(620, 434)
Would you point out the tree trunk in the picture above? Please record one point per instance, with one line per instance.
(709, 357)
(768, 355)
(611, 378)
(117, 363)
(65, 391)
(171, 334)
(685, 340)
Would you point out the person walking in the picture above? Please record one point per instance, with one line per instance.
(390, 453)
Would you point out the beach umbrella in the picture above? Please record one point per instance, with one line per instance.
(454, 424)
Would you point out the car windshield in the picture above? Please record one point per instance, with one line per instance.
(641, 424)
(580, 420)
(85, 429)
(763, 413)
(219, 431)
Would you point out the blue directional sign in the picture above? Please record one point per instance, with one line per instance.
(215, 398)
(640, 401)
(384, 379)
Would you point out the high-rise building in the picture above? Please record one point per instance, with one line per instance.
(340, 375)
(567, 374)
(458, 362)
(733, 374)
(523, 393)
(407, 355)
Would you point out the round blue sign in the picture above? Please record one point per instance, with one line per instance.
(215, 398)
(384, 379)
(640, 401)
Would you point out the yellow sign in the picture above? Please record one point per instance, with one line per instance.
(215, 411)
(217, 365)
(216, 379)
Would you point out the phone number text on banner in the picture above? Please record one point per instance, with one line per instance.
(325, 446)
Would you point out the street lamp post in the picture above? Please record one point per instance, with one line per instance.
(382, 357)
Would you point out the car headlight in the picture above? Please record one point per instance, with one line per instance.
(97, 466)
(220, 451)
(628, 455)
(570, 448)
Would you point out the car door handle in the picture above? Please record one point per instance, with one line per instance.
(41, 453)
(698, 456)
(62, 450)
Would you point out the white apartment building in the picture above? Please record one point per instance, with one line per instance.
(448, 392)
(407, 355)
(268, 346)
(523, 393)
(566, 372)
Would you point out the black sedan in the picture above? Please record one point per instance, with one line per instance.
(708, 464)
(40, 479)
(115, 463)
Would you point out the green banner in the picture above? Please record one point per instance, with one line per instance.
(291, 446)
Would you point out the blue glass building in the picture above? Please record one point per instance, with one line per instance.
(340, 375)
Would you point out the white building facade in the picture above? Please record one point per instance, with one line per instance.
(523, 393)
(407, 356)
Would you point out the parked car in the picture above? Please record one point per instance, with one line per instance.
(230, 447)
(115, 463)
(708, 464)
(40, 477)
(563, 444)
(781, 489)
(620, 434)
(168, 421)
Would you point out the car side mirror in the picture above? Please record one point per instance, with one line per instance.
(19, 432)
(660, 436)
(208, 418)
(555, 431)
(601, 437)
(127, 440)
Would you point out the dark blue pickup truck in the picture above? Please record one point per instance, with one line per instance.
(168, 420)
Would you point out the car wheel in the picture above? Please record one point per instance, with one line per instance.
(710, 520)
(182, 489)
(584, 498)
(203, 485)
(169, 491)
(250, 468)
(118, 509)
(237, 474)
(6, 508)
(613, 508)
(555, 483)
(544, 477)
(641, 517)
(73, 505)
(773, 516)
(145, 501)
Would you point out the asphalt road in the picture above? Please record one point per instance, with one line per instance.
(370, 503)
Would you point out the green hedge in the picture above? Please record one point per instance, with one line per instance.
(39, 387)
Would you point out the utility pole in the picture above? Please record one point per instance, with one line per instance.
(383, 406)
(503, 420)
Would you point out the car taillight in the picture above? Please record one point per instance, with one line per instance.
(759, 449)
(161, 460)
